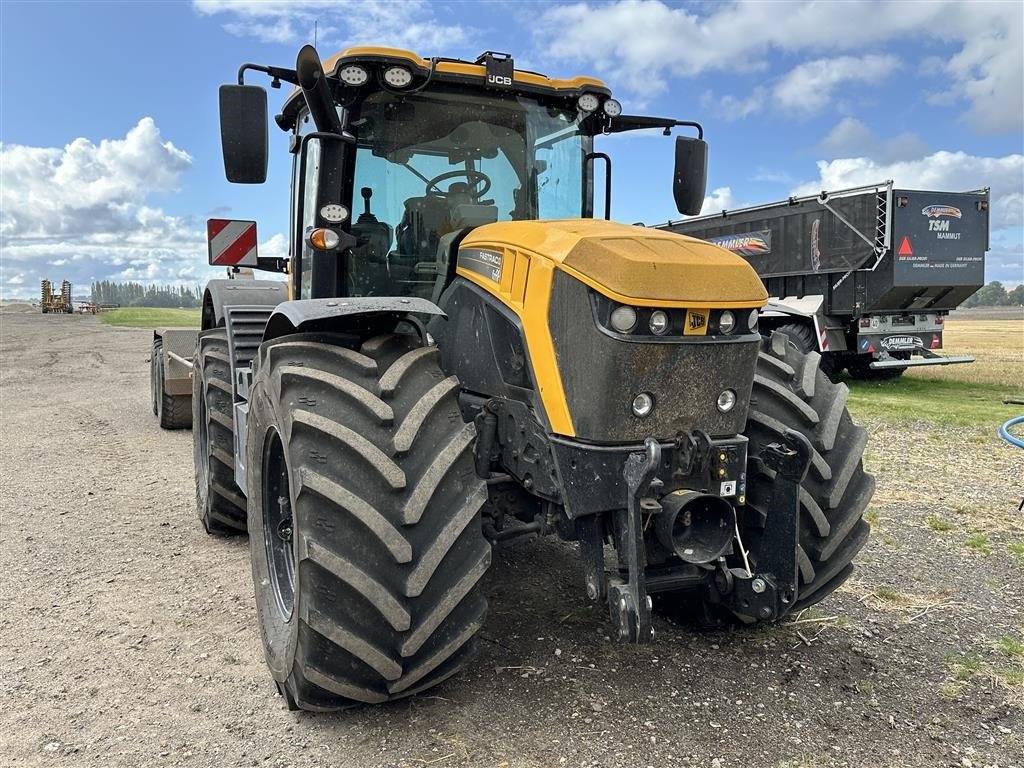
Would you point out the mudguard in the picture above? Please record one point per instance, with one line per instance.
(226, 293)
(340, 314)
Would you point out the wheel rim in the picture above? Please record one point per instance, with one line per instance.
(278, 525)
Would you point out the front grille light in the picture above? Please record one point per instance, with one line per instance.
(726, 400)
(726, 322)
(623, 319)
(643, 404)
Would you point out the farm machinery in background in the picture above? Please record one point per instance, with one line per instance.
(465, 354)
(866, 276)
(51, 301)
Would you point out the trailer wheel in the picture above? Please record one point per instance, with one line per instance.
(155, 387)
(173, 411)
(219, 500)
(862, 370)
(802, 336)
(364, 512)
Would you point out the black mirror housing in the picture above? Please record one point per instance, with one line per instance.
(243, 133)
(690, 179)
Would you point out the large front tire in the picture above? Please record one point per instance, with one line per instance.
(791, 392)
(364, 519)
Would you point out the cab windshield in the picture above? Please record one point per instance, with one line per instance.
(431, 166)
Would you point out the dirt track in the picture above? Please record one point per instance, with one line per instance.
(128, 637)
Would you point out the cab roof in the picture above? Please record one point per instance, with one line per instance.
(370, 53)
(444, 70)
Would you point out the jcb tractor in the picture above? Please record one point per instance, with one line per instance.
(466, 355)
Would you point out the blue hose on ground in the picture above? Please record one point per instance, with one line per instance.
(1004, 432)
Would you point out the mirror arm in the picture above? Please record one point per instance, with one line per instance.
(640, 122)
(589, 159)
(277, 73)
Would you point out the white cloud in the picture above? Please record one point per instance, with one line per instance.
(641, 43)
(808, 87)
(852, 138)
(732, 108)
(953, 171)
(79, 213)
(720, 199)
(400, 23)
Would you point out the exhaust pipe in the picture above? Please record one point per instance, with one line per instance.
(313, 83)
(698, 527)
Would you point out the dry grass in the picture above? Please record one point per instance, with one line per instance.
(998, 346)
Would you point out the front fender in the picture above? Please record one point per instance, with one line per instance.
(344, 313)
(242, 292)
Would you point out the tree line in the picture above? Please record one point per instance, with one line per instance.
(995, 295)
(139, 295)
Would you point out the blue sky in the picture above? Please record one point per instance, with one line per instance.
(110, 144)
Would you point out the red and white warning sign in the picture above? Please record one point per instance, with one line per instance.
(232, 243)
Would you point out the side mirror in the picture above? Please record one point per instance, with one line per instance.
(243, 133)
(690, 179)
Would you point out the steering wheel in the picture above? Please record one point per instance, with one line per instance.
(474, 179)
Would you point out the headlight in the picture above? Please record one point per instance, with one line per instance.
(643, 404)
(623, 319)
(726, 400)
(353, 74)
(587, 102)
(659, 322)
(727, 322)
(397, 77)
(612, 108)
(752, 320)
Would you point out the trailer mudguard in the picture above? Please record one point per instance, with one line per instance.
(829, 333)
(177, 346)
(242, 292)
(345, 314)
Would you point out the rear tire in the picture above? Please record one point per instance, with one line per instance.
(219, 501)
(790, 391)
(363, 460)
(173, 411)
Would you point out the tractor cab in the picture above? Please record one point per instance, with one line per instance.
(397, 158)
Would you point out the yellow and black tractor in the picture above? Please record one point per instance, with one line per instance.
(467, 355)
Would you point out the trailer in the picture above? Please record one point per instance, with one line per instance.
(863, 276)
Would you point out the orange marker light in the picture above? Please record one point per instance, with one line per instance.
(323, 239)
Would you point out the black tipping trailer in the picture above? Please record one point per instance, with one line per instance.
(864, 276)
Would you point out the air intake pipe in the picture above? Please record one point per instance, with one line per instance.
(313, 82)
(698, 527)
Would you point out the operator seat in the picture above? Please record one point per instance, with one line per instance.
(426, 219)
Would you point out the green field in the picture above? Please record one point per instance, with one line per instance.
(956, 403)
(968, 395)
(151, 317)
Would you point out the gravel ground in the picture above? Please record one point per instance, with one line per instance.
(128, 637)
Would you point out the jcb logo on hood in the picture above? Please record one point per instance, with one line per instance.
(696, 322)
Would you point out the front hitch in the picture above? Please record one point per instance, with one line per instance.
(628, 601)
(767, 592)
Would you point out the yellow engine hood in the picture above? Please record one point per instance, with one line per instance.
(631, 264)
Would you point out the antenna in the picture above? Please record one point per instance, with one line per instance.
(314, 32)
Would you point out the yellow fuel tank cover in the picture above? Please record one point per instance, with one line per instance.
(633, 264)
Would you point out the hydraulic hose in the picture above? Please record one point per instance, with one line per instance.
(1004, 432)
